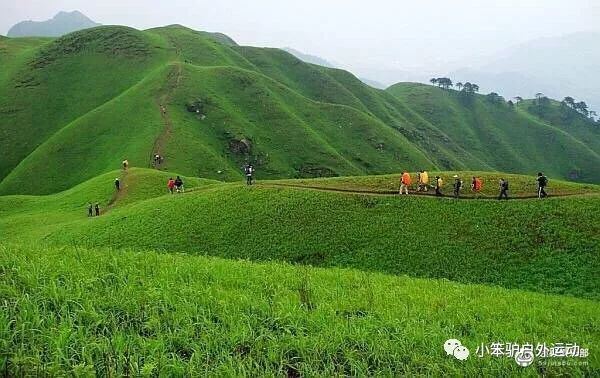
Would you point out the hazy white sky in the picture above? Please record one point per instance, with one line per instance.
(422, 34)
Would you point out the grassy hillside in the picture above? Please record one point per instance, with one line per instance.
(74, 107)
(65, 80)
(527, 244)
(508, 139)
(104, 312)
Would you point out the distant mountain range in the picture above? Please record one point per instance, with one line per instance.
(313, 59)
(61, 24)
(557, 67)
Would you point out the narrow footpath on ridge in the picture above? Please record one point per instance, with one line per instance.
(119, 194)
(390, 193)
(171, 86)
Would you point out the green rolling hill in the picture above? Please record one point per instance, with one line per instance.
(320, 269)
(523, 244)
(219, 280)
(74, 107)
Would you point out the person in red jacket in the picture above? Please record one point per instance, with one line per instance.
(171, 185)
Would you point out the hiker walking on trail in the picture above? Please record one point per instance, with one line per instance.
(503, 189)
(542, 182)
(90, 210)
(438, 186)
(405, 182)
(163, 109)
(117, 184)
(476, 185)
(179, 185)
(423, 181)
(97, 207)
(457, 186)
(125, 164)
(249, 171)
(171, 185)
(157, 160)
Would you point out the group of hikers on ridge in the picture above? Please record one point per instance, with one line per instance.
(476, 185)
(423, 183)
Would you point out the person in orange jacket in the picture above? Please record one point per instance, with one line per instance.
(476, 185)
(405, 182)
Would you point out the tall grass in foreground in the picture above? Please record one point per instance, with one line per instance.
(116, 312)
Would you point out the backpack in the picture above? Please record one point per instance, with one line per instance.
(543, 181)
(505, 185)
(478, 184)
(440, 182)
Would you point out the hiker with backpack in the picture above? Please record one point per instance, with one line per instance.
(542, 182)
(117, 184)
(476, 185)
(90, 210)
(457, 186)
(503, 189)
(424, 183)
(249, 171)
(125, 164)
(179, 185)
(97, 207)
(438, 186)
(171, 185)
(404, 183)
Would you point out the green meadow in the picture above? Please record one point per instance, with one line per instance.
(318, 269)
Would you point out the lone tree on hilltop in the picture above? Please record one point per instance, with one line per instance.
(442, 82)
(495, 98)
(469, 88)
(582, 108)
(446, 83)
(569, 101)
(539, 96)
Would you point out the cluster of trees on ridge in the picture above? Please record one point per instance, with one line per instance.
(539, 104)
(580, 107)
